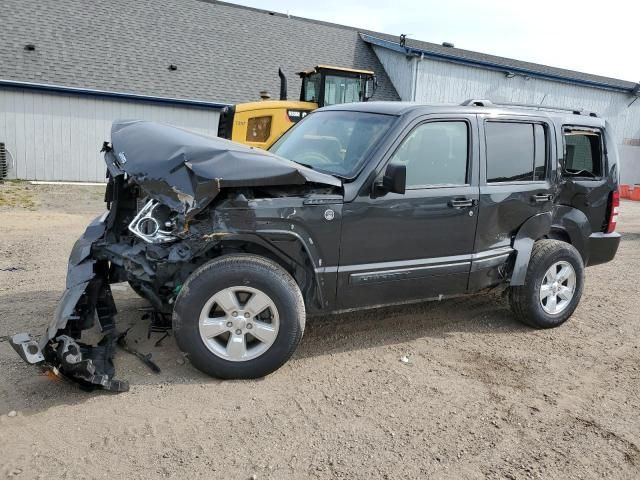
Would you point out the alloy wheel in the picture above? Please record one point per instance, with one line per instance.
(239, 323)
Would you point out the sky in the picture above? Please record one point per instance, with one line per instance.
(588, 36)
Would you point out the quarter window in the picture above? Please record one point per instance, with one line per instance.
(435, 153)
(583, 154)
(516, 152)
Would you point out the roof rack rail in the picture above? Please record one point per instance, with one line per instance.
(488, 103)
(476, 103)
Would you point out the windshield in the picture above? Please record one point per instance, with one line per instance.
(336, 142)
(341, 89)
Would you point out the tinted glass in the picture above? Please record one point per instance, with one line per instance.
(435, 153)
(540, 154)
(510, 151)
(583, 156)
(333, 142)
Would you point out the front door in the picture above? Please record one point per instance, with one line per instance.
(417, 245)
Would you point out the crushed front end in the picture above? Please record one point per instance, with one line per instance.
(158, 228)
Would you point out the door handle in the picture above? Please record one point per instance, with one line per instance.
(461, 203)
(542, 197)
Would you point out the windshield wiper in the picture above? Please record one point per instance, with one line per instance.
(310, 167)
(328, 172)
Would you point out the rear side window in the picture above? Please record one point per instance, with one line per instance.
(516, 152)
(435, 153)
(583, 153)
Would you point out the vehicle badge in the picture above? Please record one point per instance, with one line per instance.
(329, 214)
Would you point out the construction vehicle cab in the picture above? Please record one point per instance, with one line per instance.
(261, 123)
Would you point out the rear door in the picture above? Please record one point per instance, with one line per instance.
(416, 245)
(585, 185)
(515, 177)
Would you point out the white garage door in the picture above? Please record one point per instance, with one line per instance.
(54, 136)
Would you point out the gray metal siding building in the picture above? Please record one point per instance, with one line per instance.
(56, 135)
(71, 67)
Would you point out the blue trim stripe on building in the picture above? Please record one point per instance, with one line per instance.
(118, 95)
(491, 65)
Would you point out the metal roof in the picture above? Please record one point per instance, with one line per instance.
(492, 62)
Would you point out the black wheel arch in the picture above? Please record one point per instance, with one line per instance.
(288, 251)
(565, 223)
(534, 228)
(572, 225)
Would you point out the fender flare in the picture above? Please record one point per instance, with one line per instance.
(575, 224)
(535, 227)
(264, 239)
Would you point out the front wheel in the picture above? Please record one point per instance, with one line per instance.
(239, 316)
(553, 285)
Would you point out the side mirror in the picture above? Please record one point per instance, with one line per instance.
(370, 86)
(395, 178)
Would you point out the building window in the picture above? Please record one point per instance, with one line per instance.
(516, 152)
(435, 153)
(583, 153)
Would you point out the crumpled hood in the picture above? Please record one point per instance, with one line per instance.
(185, 171)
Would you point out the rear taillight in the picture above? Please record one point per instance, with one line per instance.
(614, 206)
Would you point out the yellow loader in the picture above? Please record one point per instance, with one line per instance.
(261, 123)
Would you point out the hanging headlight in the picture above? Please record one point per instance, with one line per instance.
(154, 223)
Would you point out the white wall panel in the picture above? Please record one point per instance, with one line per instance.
(399, 68)
(56, 136)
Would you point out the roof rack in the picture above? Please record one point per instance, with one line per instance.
(488, 103)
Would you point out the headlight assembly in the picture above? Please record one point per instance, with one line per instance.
(154, 223)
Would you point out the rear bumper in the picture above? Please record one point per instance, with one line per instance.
(602, 247)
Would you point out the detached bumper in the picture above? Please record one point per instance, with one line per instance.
(87, 297)
(602, 247)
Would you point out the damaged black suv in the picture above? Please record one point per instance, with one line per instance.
(358, 206)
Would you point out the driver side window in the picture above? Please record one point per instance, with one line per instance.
(435, 153)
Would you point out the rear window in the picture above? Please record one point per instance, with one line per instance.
(516, 152)
(582, 153)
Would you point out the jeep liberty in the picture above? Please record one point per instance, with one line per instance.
(357, 206)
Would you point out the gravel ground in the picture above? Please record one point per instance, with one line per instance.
(480, 397)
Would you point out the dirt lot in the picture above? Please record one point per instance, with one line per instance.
(481, 397)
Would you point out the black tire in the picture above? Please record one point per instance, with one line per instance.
(247, 271)
(525, 300)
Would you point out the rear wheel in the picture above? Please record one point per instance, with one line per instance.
(553, 285)
(239, 316)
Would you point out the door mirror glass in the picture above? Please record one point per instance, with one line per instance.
(395, 178)
(369, 87)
